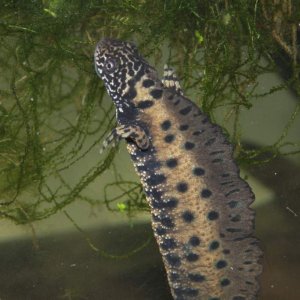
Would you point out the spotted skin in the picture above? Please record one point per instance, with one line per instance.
(199, 204)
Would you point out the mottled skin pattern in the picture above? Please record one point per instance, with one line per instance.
(199, 204)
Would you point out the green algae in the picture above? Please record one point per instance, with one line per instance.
(52, 110)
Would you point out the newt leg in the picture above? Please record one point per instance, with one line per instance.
(170, 80)
(132, 132)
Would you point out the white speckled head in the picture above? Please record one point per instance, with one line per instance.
(120, 66)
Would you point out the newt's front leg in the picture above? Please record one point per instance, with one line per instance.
(131, 132)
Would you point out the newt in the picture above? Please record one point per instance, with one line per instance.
(200, 210)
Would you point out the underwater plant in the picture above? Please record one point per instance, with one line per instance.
(53, 114)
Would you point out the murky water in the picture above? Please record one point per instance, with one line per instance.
(115, 257)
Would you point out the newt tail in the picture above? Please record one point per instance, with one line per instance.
(199, 204)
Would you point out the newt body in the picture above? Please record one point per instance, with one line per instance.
(199, 204)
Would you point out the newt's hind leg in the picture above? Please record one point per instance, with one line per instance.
(131, 132)
(170, 80)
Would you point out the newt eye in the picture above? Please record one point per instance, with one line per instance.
(110, 65)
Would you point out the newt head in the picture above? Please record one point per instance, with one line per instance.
(120, 66)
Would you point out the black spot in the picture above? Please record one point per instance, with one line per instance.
(156, 93)
(232, 204)
(196, 277)
(247, 262)
(206, 193)
(160, 231)
(216, 152)
(232, 192)
(225, 282)
(169, 138)
(236, 218)
(238, 298)
(198, 171)
(123, 86)
(188, 216)
(130, 66)
(133, 135)
(136, 67)
(156, 179)
(149, 165)
(210, 142)
(152, 164)
(217, 160)
(182, 187)
(182, 292)
(239, 239)
(156, 194)
(174, 276)
(194, 241)
(157, 203)
(165, 125)
(142, 155)
(169, 78)
(168, 244)
(130, 94)
(171, 97)
(232, 230)
(226, 251)
(145, 104)
(173, 260)
(177, 102)
(225, 175)
(171, 203)
(189, 145)
(221, 264)
(147, 83)
(185, 110)
(214, 298)
(249, 282)
(213, 215)
(184, 127)
(198, 132)
(156, 218)
(226, 182)
(192, 257)
(216, 130)
(171, 163)
(214, 245)
(166, 221)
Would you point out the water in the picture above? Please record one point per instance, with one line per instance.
(70, 245)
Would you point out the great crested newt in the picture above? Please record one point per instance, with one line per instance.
(199, 204)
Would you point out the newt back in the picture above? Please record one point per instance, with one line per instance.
(199, 204)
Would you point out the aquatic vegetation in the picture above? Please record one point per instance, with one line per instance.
(53, 114)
